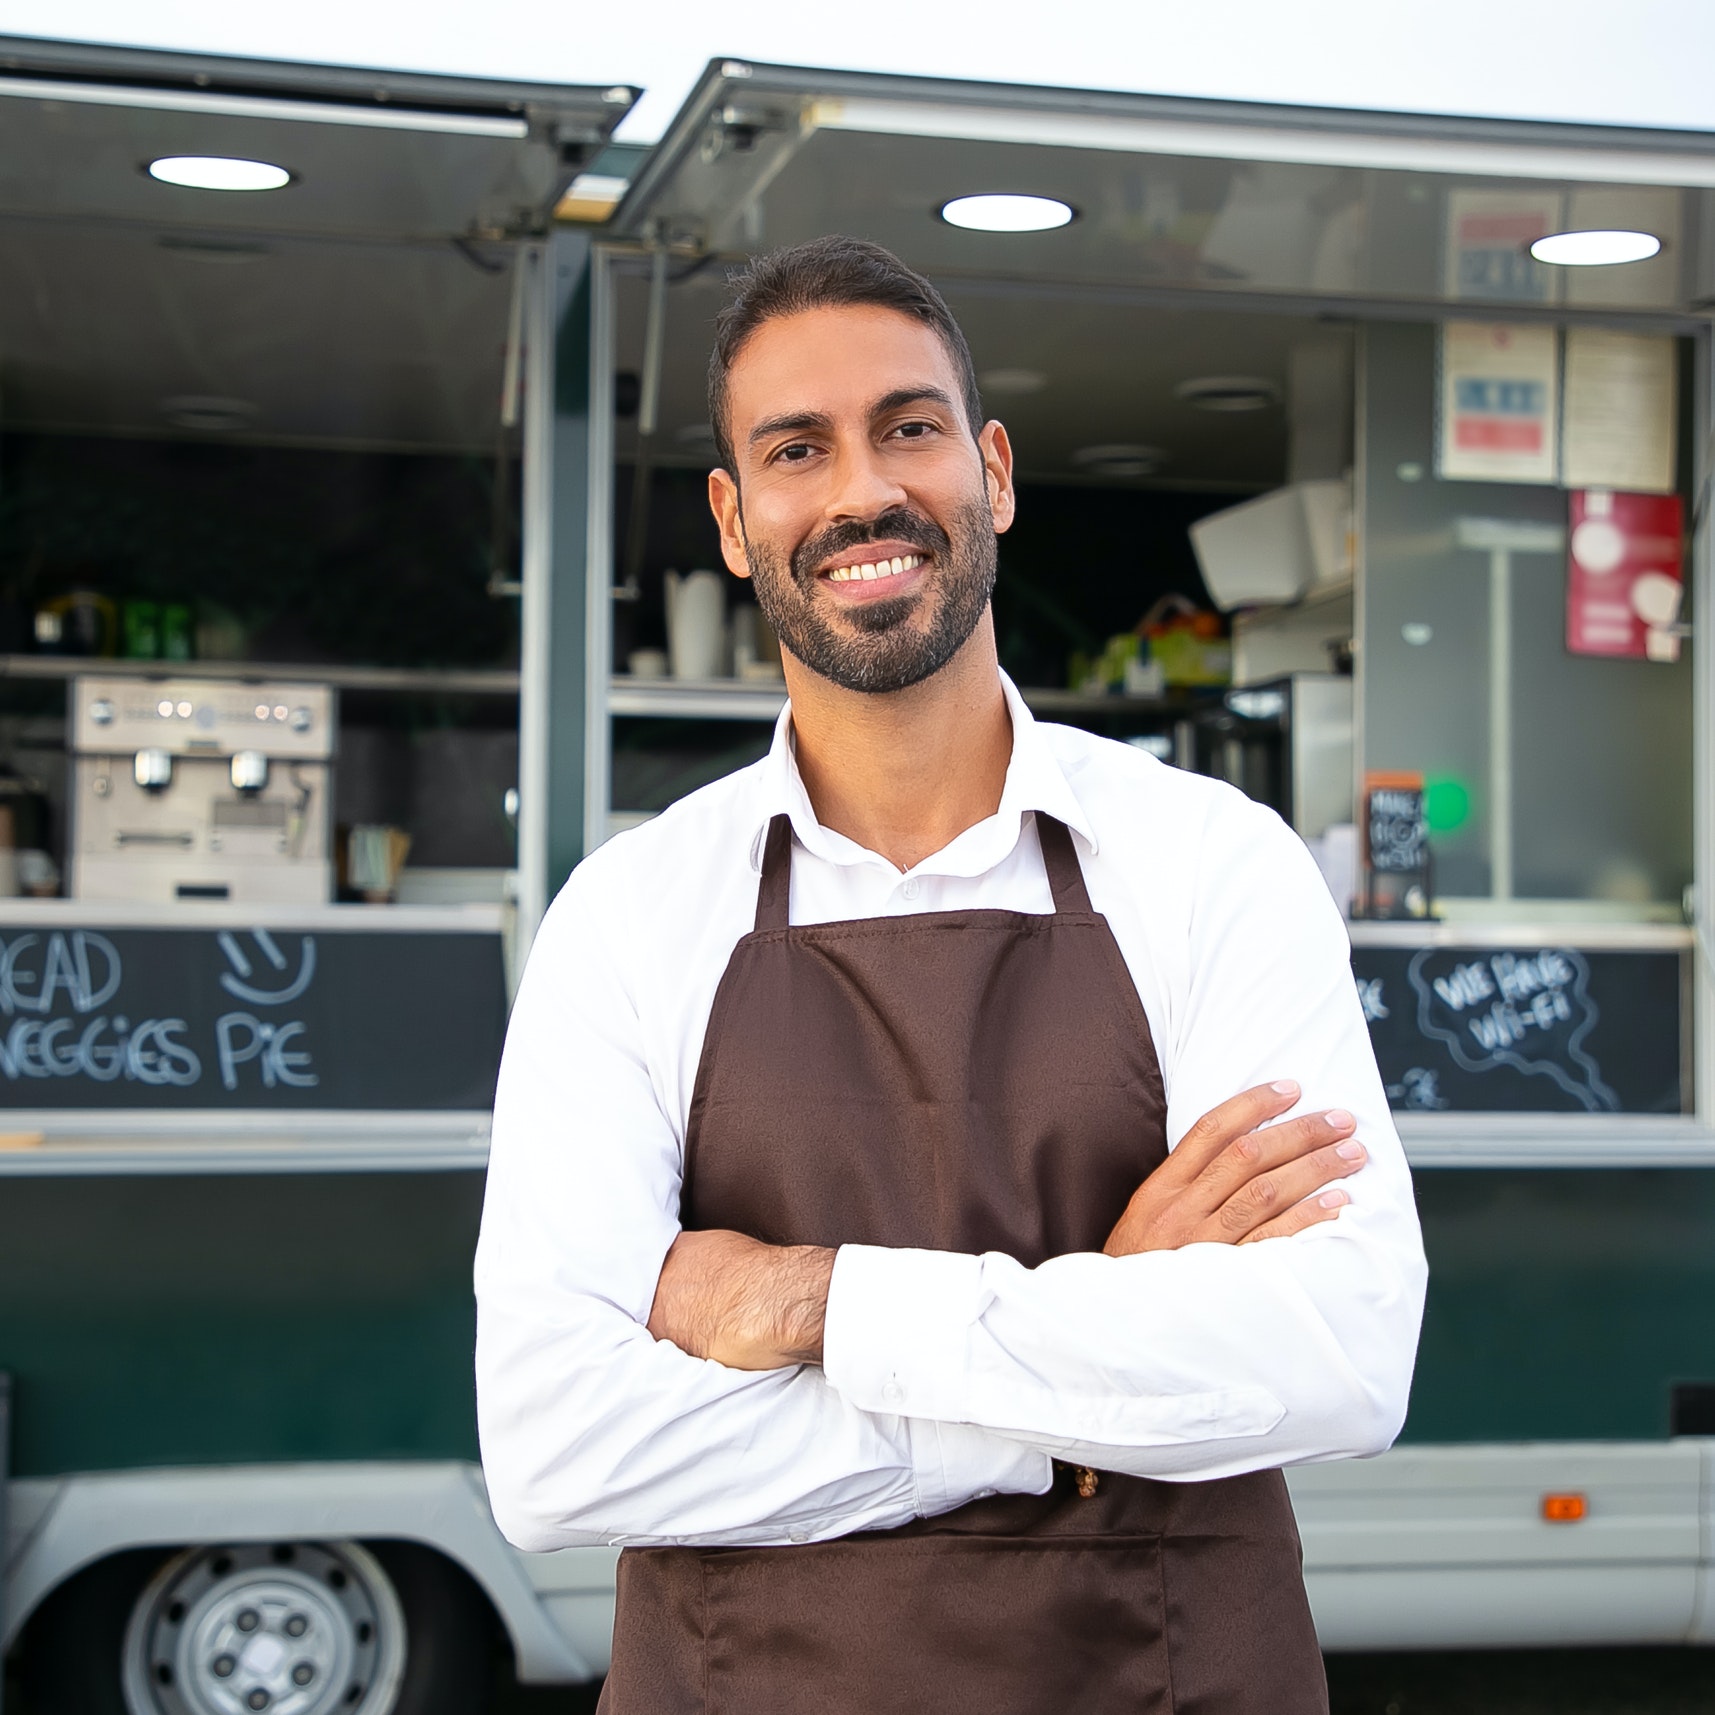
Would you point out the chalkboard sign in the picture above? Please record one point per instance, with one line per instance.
(1527, 1029)
(245, 1019)
(1398, 831)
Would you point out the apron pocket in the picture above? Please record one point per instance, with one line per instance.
(937, 1625)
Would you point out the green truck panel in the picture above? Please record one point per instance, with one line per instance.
(213, 1319)
(167, 1320)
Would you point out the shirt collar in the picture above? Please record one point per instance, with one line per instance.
(1034, 781)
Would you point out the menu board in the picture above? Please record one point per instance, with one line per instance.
(178, 1018)
(1398, 830)
(1527, 1029)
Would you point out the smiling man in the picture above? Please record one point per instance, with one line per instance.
(939, 1173)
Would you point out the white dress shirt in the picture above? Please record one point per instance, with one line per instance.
(946, 1377)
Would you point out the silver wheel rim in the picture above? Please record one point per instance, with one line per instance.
(302, 1628)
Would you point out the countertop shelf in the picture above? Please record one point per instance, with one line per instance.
(452, 681)
(741, 700)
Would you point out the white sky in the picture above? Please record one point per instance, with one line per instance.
(1641, 62)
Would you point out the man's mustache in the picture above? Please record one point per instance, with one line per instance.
(899, 525)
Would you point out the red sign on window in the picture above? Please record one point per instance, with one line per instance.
(1624, 578)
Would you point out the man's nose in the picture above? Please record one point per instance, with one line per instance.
(863, 487)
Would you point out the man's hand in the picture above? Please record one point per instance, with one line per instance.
(745, 1304)
(1230, 1183)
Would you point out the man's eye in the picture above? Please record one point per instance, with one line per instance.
(914, 431)
(796, 453)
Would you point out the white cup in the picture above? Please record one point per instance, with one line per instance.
(696, 624)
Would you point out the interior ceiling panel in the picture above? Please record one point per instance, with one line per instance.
(371, 154)
(105, 331)
(1109, 374)
(1184, 195)
(365, 303)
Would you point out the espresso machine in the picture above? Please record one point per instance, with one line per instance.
(188, 789)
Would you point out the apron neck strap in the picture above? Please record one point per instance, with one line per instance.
(1060, 859)
(774, 896)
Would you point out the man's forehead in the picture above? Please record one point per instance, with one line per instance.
(845, 355)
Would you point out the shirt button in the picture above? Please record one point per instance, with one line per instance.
(911, 888)
(893, 1393)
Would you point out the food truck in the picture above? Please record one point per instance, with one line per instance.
(352, 530)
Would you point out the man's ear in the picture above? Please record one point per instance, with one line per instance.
(729, 515)
(996, 450)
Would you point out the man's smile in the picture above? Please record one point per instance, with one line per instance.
(874, 571)
(871, 569)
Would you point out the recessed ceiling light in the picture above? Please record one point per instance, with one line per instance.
(1120, 458)
(1595, 249)
(1012, 381)
(1228, 392)
(1009, 213)
(218, 173)
(210, 414)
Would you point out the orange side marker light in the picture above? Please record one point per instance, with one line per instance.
(1564, 1509)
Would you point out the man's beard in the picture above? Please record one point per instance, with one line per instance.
(889, 653)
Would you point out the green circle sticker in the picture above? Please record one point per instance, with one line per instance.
(1446, 805)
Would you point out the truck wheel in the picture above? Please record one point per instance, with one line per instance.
(297, 1628)
(291, 1628)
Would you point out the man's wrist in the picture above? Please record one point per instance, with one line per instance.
(798, 1294)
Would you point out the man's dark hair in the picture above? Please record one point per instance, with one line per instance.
(823, 274)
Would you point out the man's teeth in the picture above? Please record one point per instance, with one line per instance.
(876, 569)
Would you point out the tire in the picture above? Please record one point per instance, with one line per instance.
(283, 1628)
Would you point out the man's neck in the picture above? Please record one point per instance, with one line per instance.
(906, 772)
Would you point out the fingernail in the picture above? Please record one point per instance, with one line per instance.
(1339, 1119)
(1332, 1199)
(1350, 1150)
(1284, 1087)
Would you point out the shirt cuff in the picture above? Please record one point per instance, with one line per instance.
(953, 1463)
(896, 1338)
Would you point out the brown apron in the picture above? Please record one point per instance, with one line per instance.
(965, 1081)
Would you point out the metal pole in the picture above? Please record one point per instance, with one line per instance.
(1500, 539)
(1501, 723)
(5, 1476)
(648, 414)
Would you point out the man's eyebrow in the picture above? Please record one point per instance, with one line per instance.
(902, 396)
(790, 423)
(801, 422)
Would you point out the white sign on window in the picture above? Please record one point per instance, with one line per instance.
(1499, 402)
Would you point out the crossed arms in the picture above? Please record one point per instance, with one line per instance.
(942, 1376)
(753, 1306)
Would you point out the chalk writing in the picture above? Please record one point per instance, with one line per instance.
(1528, 1011)
(75, 974)
(1419, 1091)
(1397, 829)
(244, 1038)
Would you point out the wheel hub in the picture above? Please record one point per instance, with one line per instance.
(291, 1629)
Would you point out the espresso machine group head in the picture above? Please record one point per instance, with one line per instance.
(201, 789)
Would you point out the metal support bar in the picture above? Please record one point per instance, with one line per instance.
(648, 415)
(1500, 723)
(1500, 539)
(5, 1477)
